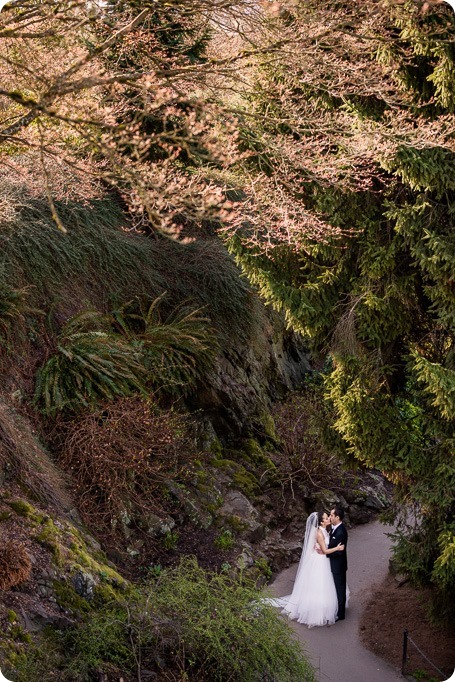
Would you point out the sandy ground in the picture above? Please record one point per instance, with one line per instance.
(336, 651)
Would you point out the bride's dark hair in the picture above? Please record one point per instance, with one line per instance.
(320, 515)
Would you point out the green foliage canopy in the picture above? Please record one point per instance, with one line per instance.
(353, 143)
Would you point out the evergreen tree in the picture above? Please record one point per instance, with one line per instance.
(351, 235)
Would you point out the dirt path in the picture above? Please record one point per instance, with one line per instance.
(336, 651)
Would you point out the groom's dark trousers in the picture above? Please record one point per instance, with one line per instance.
(339, 566)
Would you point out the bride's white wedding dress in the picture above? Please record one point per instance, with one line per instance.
(314, 599)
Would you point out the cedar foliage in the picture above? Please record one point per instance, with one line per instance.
(358, 251)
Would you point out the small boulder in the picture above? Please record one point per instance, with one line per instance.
(84, 584)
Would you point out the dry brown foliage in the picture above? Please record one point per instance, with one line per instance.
(15, 564)
(304, 458)
(118, 458)
(74, 80)
(344, 339)
(88, 80)
(333, 53)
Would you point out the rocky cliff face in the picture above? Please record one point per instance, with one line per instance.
(250, 375)
(241, 499)
(262, 518)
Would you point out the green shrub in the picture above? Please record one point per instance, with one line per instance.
(224, 540)
(263, 567)
(203, 627)
(423, 676)
(224, 632)
(170, 539)
(101, 642)
(153, 571)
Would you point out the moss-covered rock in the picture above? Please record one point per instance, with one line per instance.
(68, 599)
(21, 507)
(246, 482)
(268, 424)
(49, 537)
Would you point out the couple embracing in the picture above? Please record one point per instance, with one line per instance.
(320, 592)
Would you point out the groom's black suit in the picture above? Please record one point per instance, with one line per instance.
(339, 565)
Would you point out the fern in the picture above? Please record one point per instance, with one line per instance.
(177, 350)
(102, 263)
(13, 308)
(102, 357)
(88, 366)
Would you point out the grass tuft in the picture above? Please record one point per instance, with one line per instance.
(100, 263)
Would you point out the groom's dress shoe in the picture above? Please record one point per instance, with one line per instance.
(339, 618)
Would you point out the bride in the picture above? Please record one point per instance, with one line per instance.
(314, 599)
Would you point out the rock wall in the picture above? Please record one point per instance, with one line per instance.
(267, 521)
(249, 375)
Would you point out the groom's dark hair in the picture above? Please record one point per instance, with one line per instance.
(339, 511)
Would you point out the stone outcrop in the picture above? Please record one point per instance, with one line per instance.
(249, 376)
(235, 496)
(265, 525)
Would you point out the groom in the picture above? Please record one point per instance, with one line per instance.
(338, 560)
